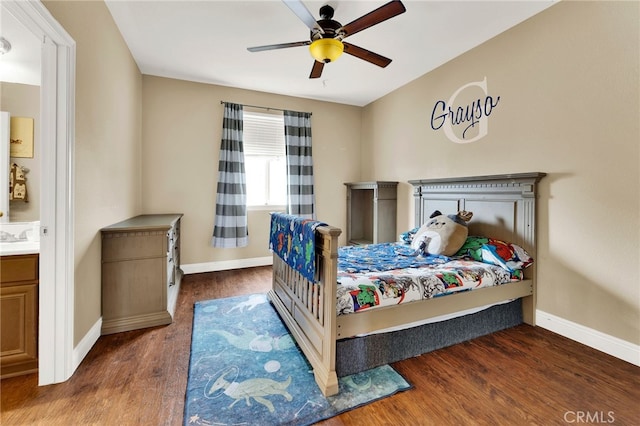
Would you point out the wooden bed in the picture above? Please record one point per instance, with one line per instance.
(503, 206)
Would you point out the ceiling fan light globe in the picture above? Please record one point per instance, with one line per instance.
(326, 49)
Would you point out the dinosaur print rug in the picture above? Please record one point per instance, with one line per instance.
(246, 369)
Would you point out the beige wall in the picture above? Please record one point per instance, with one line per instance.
(107, 143)
(182, 127)
(568, 86)
(23, 100)
(569, 107)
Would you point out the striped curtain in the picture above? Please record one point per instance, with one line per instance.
(297, 134)
(230, 229)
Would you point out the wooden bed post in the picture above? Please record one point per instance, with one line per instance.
(326, 376)
(309, 308)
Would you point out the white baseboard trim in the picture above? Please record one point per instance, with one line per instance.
(587, 336)
(223, 265)
(85, 345)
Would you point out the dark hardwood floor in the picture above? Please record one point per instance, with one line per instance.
(523, 375)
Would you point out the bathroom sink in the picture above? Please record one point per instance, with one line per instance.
(19, 247)
(19, 238)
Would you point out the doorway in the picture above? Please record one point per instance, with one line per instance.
(57, 113)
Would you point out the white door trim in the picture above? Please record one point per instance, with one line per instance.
(57, 116)
(5, 118)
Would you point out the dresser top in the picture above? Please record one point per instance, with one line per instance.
(145, 221)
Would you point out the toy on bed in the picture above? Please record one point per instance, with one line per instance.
(442, 234)
(507, 255)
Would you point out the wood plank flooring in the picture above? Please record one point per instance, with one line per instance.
(520, 376)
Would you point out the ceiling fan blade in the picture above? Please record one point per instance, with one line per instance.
(384, 12)
(278, 46)
(366, 55)
(303, 13)
(316, 71)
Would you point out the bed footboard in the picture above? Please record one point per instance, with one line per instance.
(309, 309)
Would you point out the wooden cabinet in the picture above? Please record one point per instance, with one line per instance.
(371, 212)
(19, 314)
(141, 272)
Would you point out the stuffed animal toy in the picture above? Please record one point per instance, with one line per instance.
(442, 234)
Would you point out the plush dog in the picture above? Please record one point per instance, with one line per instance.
(442, 234)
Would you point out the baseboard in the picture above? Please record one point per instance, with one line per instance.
(587, 336)
(85, 345)
(223, 265)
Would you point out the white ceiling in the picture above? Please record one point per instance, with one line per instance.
(206, 41)
(22, 63)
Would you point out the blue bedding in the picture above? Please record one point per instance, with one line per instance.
(376, 275)
(292, 238)
(383, 257)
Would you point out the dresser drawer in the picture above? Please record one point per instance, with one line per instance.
(18, 268)
(117, 246)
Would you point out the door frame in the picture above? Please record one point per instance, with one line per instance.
(57, 124)
(5, 118)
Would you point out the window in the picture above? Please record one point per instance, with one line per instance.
(265, 159)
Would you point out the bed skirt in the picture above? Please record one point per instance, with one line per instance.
(362, 353)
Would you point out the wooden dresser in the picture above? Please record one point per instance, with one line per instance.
(141, 272)
(19, 314)
(371, 212)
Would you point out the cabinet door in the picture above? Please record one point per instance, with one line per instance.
(19, 328)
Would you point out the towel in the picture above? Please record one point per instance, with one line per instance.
(293, 239)
(18, 183)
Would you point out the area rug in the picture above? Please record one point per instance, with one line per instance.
(246, 369)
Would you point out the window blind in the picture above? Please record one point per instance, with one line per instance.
(263, 134)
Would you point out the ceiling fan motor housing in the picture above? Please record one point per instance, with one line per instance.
(326, 12)
(329, 26)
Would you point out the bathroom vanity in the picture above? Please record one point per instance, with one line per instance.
(19, 277)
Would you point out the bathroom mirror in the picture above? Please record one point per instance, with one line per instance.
(20, 74)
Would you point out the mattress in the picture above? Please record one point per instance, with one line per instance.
(379, 275)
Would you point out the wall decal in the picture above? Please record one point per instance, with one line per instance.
(470, 118)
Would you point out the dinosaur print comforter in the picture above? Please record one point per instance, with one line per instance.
(390, 273)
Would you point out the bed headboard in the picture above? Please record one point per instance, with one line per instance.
(503, 206)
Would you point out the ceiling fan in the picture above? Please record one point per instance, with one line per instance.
(326, 40)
